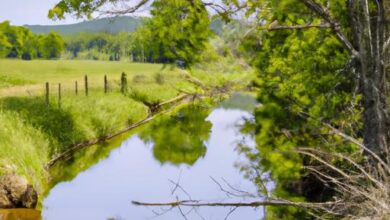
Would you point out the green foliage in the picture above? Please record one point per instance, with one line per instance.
(180, 138)
(179, 30)
(302, 83)
(33, 133)
(23, 150)
(51, 46)
(19, 42)
(99, 46)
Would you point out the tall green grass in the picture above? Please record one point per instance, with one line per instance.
(32, 132)
(23, 149)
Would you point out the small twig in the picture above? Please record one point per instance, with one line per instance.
(231, 212)
(181, 212)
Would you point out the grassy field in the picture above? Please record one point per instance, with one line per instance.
(19, 78)
(32, 133)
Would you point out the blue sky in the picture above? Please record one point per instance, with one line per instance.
(21, 12)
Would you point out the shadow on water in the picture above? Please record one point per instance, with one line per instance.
(55, 122)
(180, 138)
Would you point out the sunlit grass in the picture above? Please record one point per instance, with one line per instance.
(33, 132)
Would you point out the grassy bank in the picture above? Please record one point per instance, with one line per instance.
(33, 132)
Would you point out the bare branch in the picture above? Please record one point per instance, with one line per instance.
(195, 203)
(230, 212)
(182, 213)
(127, 10)
(297, 27)
(350, 139)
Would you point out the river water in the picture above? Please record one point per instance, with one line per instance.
(194, 149)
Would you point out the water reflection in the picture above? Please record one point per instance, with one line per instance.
(180, 138)
(140, 169)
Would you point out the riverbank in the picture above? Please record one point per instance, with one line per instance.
(33, 133)
(184, 145)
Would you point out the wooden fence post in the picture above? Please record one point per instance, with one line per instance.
(86, 85)
(105, 84)
(47, 93)
(123, 83)
(76, 86)
(59, 95)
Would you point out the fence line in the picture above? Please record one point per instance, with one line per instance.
(47, 93)
(86, 85)
(123, 84)
(76, 87)
(59, 95)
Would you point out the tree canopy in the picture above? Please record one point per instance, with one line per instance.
(20, 42)
(322, 68)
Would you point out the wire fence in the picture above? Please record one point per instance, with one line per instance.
(49, 89)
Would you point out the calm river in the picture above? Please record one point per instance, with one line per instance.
(192, 147)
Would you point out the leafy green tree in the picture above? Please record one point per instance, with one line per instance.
(5, 45)
(20, 42)
(51, 46)
(179, 29)
(141, 45)
(180, 138)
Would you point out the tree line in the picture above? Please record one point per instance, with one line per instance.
(20, 42)
(123, 46)
(143, 45)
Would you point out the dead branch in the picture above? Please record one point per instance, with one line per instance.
(230, 212)
(350, 139)
(364, 191)
(295, 27)
(127, 9)
(196, 203)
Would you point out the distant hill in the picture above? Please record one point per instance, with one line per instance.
(110, 25)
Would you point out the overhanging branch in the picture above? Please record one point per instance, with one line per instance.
(296, 27)
(195, 203)
(320, 11)
(128, 9)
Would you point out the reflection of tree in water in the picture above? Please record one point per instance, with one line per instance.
(180, 138)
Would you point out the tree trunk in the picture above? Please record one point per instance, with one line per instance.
(369, 31)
